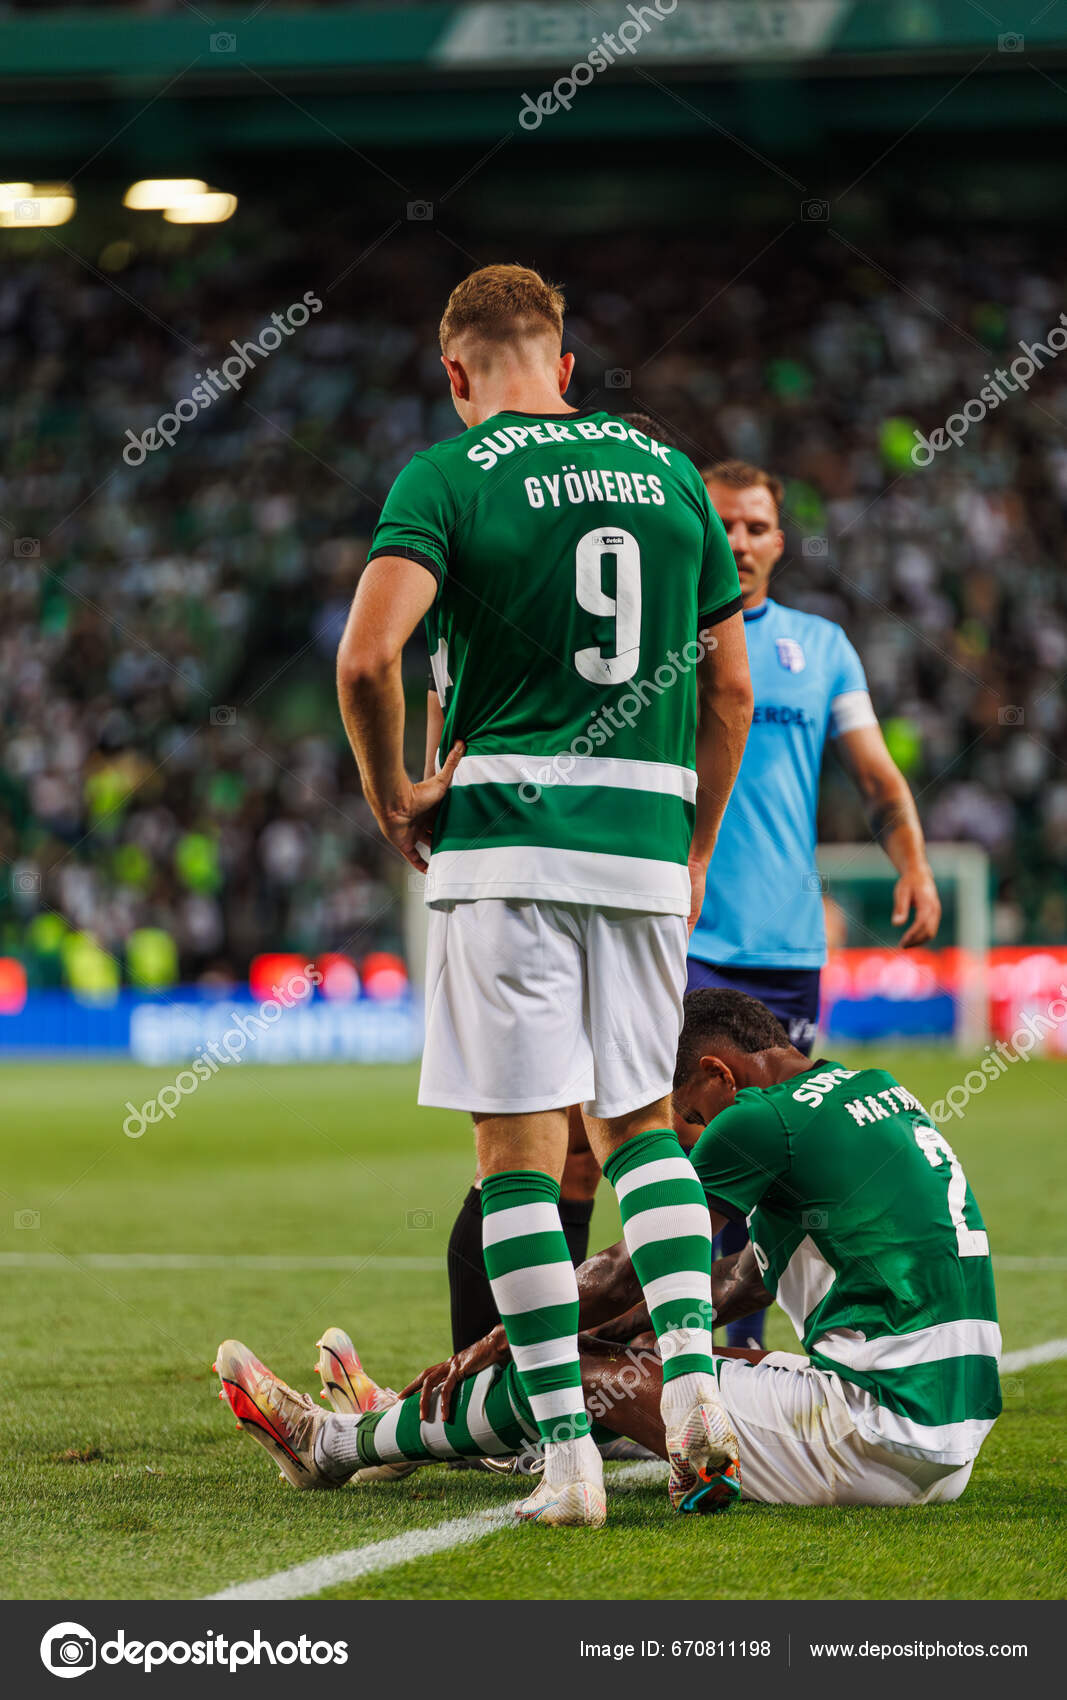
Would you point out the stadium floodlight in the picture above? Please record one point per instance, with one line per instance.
(212, 208)
(155, 194)
(26, 205)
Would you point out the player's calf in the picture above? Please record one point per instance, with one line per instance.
(536, 1292)
(668, 1235)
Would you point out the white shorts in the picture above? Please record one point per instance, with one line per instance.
(537, 1006)
(799, 1445)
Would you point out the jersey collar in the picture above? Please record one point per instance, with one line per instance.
(514, 413)
(757, 613)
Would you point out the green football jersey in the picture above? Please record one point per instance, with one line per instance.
(866, 1232)
(577, 559)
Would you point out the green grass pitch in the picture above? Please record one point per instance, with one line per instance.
(129, 1480)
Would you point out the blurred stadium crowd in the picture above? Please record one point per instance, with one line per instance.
(175, 791)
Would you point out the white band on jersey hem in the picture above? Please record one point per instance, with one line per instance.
(940, 1443)
(850, 711)
(563, 768)
(591, 877)
(965, 1339)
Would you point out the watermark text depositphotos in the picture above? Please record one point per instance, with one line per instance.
(229, 1047)
(219, 380)
(999, 385)
(998, 1058)
(606, 49)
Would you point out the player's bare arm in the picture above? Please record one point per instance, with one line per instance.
(394, 594)
(895, 823)
(724, 694)
(737, 1287)
(737, 1290)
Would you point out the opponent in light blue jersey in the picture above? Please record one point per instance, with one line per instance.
(761, 930)
(763, 914)
(763, 907)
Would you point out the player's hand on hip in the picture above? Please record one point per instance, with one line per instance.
(409, 823)
(698, 873)
(917, 892)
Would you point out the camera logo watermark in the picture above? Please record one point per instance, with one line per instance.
(70, 1650)
(999, 385)
(606, 49)
(207, 1061)
(217, 380)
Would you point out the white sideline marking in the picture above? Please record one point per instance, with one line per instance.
(209, 1260)
(1046, 1353)
(327, 1572)
(13, 1260)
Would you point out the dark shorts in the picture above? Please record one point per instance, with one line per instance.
(792, 994)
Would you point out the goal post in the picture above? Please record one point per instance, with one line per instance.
(962, 875)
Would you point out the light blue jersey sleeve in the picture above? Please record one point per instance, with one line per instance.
(850, 701)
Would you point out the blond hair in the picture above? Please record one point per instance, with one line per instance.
(503, 304)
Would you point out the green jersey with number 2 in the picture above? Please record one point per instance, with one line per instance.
(867, 1233)
(576, 559)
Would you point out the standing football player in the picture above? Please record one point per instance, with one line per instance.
(473, 1312)
(564, 563)
(809, 686)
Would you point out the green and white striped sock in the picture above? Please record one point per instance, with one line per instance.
(536, 1293)
(490, 1419)
(668, 1234)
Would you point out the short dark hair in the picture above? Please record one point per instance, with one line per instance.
(739, 475)
(652, 428)
(718, 1013)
